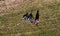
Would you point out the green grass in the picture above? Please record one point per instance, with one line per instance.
(11, 23)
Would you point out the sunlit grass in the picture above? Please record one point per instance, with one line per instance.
(11, 23)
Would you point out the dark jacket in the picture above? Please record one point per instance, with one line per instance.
(37, 15)
(25, 15)
(30, 16)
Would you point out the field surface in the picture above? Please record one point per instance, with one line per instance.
(11, 23)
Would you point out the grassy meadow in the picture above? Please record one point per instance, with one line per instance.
(11, 23)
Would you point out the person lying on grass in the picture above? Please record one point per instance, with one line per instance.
(37, 18)
(25, 17)
(30, 17)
